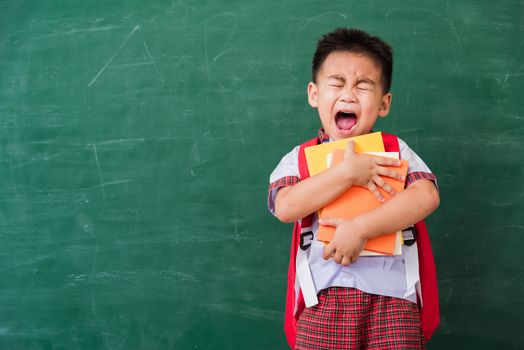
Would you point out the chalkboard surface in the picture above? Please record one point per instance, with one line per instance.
(137, 138)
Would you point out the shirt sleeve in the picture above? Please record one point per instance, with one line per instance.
(285, 174)
(418, 170)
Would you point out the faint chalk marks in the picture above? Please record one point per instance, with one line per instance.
(99, 172)
(102, 184)
(177, 11)
(228, 71)
(119, 141)
(77, 31)
(225, 62)
(424, 27)
(151, 57)
(501, 203)
(95, 258)
(185, 236)
(318, 17)
(127, 65)
(442, 18)
(28, 262)
(112, 57)
(195, 159)
(252, 313)
(218, 34)
(93, 306)
(512, 70)
(449, 294)
(35, 159)
(148, 59)
(511, 233)
(100, 278)
(312, 27)
(508, 138)
(106, 184)
(93, 270)
(456, 35)
(508, 239)
(517, 277)
(393, 10)
(220, 29)
(217, 57)
(130, 277)
(405, 131)
(111, 183)
(84, 223)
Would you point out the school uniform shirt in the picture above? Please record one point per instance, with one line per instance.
(394, 276)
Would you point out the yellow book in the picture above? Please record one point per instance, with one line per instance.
(316, 156)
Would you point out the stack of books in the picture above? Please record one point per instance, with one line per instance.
(356, 200)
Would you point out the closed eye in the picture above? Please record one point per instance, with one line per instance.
(336, 81)
(365, 84)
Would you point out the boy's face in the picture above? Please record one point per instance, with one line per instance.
(348, 94)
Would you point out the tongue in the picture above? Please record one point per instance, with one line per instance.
(346, 122)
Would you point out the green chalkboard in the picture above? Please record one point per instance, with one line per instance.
(137, 138)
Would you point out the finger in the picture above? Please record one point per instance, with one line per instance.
(338, 258)
(373, 188)
(383, 184)
(329, 222)
(345, 261)
(390, 173)
(350, 149)
(354, 258)
(385, 161)
(328, 252)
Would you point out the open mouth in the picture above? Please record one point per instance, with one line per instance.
(345, 121)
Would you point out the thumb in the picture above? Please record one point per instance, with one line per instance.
(329, 250)
(350, 147)
(330, 222)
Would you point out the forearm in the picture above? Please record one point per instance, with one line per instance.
(295, 202)
(403, 210)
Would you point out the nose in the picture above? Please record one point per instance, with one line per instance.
(348, 95)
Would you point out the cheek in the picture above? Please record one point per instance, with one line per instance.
(371, 103)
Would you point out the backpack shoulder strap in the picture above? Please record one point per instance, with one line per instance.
(302, 162)
(390, 142)
(294, 298)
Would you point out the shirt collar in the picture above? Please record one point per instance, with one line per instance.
(322, 136)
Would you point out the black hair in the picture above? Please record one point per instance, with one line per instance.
(359, 42)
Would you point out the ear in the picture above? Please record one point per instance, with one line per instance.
(385, 105)
(312, 94)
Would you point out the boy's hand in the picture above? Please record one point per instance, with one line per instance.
(365, 171)
(347, 243)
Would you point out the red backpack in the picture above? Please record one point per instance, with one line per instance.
(429, 314)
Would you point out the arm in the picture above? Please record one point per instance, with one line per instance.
(306, 197)
(406, 208)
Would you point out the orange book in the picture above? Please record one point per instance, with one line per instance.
(358, 200)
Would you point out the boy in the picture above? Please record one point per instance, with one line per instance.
(366, 302)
